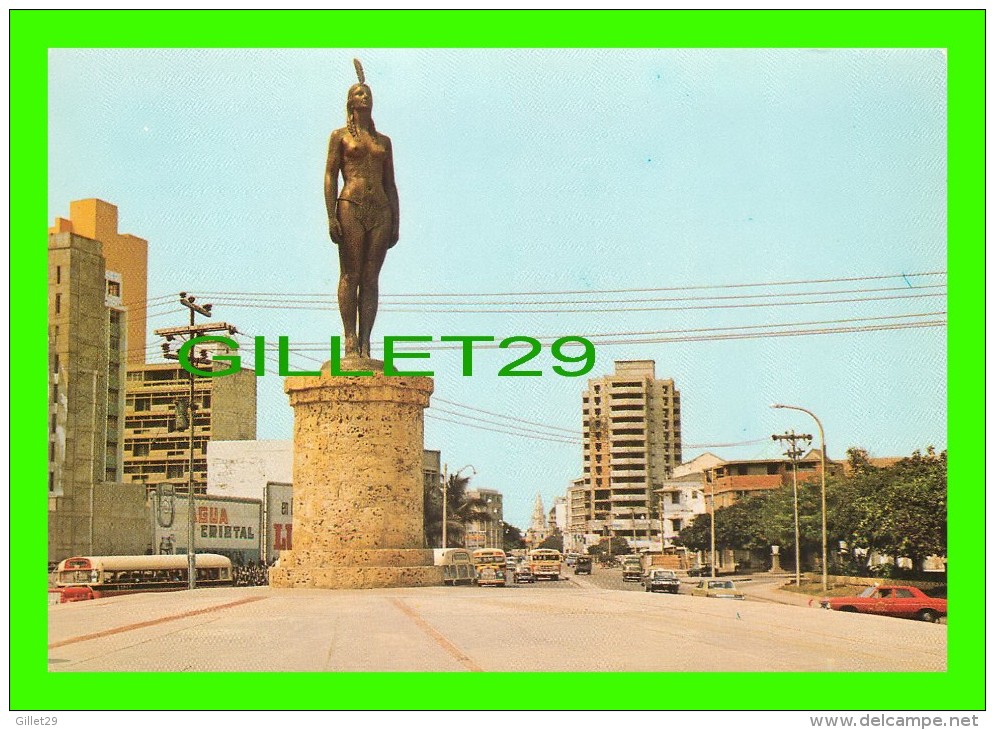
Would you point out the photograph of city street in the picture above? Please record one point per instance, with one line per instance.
(504, 360)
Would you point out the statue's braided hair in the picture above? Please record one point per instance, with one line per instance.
(349, 122)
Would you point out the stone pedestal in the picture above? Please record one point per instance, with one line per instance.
(358, 485)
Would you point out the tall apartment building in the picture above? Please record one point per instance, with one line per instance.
(486, 533)
(579, 510)
(124, 254)
(632, 442)
(155, 450)
(87, 345)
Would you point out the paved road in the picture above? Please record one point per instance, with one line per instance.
(569, 625)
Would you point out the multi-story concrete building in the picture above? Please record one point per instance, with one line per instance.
(732, 480)
(632, 442)
(155, 450)
(486, 533)
(89, 511)
(579, 508)
(124, 254)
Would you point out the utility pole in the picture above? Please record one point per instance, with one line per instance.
(794, 453)
(822, 462)
(200, 360)
(711, 483)
(445, 500)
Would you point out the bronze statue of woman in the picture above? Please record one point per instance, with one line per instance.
(362, 218)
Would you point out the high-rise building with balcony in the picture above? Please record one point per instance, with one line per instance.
(157, 449)
(632, 442)
(89, 511)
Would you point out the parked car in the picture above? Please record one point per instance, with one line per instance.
(891, 600)
(659, 579)
(699, 571)
(510, 563)
(583, 565)
(524, 574)
(717, 588)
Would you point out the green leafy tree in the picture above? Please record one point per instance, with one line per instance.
(898, 510)
(513, 538)
(619, 546)
(553, 542)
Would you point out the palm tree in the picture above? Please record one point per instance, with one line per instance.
(461, 510)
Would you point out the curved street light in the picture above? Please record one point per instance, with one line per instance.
(445, 494)
(822, 456)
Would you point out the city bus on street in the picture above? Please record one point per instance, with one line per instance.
(110, 575)
(545, 563)
(490, 564)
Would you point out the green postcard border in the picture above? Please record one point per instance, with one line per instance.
(962, 32)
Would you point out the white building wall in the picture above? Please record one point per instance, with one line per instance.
(242, 468)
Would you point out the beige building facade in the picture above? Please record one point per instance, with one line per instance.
(125, 254)
(155, 449)
(89, 510)
(632, 443)
(486, 533)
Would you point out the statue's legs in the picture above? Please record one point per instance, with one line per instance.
(350, 272)
(377, 243)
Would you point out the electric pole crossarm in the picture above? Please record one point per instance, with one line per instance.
(199, 359)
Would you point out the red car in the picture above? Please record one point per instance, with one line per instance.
(898, 601)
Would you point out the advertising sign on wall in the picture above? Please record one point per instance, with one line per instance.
(279, 500)
(227, 526)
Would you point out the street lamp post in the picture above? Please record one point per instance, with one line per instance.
(822, 458)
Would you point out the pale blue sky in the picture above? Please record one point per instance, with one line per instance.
(555, 170)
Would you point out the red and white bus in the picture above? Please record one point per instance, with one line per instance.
(80, 578)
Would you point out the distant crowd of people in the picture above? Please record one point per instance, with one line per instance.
(251, 574)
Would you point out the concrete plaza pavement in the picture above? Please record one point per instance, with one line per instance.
(565, 626)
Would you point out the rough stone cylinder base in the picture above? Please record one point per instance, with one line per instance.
(358, 484)
(410, 576)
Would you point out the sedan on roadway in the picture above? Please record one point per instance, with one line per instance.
(662, 580)
(717, 588)
(894, 600)
(523, 574)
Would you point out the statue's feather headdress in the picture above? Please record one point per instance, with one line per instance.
(359, 71)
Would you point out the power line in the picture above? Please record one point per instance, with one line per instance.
(506, 433)
(628, 300)
(547, 339)
(436, 409)
(525, 307)
(510, 418)
(602, 291)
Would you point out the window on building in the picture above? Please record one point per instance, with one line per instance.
(676, 525)
(58, 303)
(114, 290)
(51, 481)
(51, 425)
(51, 451)
(58, 274)
(55, 392)
(771, 469)
(174, 471)
(55, 363)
